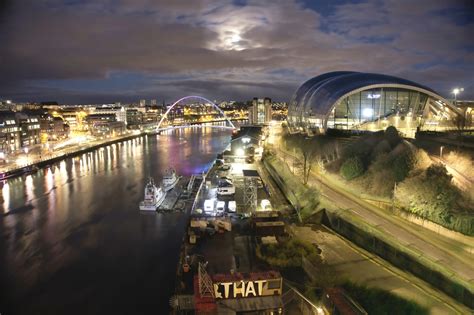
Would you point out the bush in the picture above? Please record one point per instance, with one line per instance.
(352, 168)
(432, 196)
(378, 301)
(288, 254)
(392, 136)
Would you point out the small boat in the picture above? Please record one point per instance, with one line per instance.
(154, 196)
(170, 179)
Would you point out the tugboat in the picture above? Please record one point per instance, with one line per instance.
(154, 196)
(170, 179)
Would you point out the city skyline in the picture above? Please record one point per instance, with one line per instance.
(99, 51)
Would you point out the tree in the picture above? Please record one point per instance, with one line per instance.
(309, 153)
(459, 121)
(307, 150)
(392, 136)
(352, 168)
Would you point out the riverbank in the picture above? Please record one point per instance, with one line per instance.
(29, 168)
(36, 165)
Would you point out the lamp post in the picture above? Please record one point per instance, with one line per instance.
(456, 92)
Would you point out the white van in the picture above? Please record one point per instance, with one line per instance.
(232, 206)
(266, 205)
(220, 207)
(226, 191)
(209, 205)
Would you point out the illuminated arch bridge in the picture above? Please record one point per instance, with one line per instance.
(367, 101)
(229, 124)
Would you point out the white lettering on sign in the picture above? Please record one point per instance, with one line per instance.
(226, 290)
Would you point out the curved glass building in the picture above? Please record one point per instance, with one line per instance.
(366, 101)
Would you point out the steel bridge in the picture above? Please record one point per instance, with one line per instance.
(160, 129)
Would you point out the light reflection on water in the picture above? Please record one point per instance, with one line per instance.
(72, 232)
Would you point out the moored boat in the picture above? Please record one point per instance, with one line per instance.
(170, 179)
(154, 196)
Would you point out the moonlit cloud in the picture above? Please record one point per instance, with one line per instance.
(104, 50)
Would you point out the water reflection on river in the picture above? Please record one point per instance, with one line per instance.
(72, 238)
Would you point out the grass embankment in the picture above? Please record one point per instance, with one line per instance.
(377, 301)
(302, 197)
(288, 254)
(385, 165)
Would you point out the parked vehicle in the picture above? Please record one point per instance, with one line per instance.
(232, 207)
(266, 205)
(220, 207)
(226, 191)
(209, 205)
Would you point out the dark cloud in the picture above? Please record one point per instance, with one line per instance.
(77, 51)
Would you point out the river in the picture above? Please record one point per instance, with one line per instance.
(73, 240)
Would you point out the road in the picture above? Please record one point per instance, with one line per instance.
(460, 180)
(365, 268)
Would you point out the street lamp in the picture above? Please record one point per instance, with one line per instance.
(455, 92)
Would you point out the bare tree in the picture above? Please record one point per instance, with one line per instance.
(306, 153)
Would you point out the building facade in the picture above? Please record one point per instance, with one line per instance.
(29, 129)
(261, 111)
(10, 133)
(118, 111)
(367, 101)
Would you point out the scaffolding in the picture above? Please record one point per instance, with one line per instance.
(206, 288)
(250, 194)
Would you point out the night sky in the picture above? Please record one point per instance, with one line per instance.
(97, 51)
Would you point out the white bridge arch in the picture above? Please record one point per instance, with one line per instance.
(232, 126)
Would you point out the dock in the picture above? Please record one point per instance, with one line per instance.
(182, 198)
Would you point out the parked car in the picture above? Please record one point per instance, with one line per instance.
(232, 207)
(209, 205)
(226, 191)
(220, 207)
